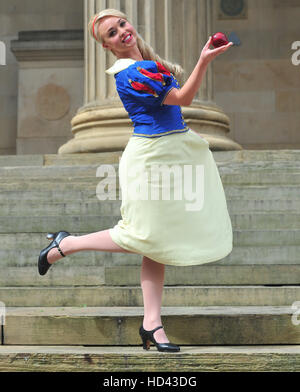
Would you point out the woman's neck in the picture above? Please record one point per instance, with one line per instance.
(134, 54)
(137, 58)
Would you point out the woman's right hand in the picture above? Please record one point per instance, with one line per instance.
(207, 55)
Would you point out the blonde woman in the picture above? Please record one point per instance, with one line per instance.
(169, 231)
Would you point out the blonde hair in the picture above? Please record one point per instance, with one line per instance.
(146, 50)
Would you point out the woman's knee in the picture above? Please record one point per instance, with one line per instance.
(115, 246)
(147, 259)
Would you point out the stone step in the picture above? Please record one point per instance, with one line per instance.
(108, 157)
(112, 207)
(51, 174)
(89, 168)
(35, 242)
(259, 165)
(230, 173)
(30, 244)
(63, 193)
(260, 205)
(89, 185)
(240, 255)
(262, 255)
(129, 275)
(265, 220)
(96, 222)
(46, 181)
(284, 177)
(67, 159)
(132, 296)
(261, 192)
(118, 326)
(257, 156)
(263, 358)
(47, 208)
(45, 224)
(259, 172)
(52, 195)
(210, 274)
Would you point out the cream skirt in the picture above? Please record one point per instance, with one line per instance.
(173, 207)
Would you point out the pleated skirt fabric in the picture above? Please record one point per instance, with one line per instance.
(173, 206)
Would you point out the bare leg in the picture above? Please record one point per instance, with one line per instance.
(152, 283)
(98, 241)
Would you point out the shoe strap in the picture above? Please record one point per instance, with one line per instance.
(60, 251)
(155, 329)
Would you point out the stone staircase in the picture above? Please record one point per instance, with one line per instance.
(94, 298)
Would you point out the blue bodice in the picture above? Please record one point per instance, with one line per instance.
(143, 86)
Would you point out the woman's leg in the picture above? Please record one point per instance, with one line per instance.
(152, 283)
(98, 241)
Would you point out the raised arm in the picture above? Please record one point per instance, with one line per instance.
(185, 95)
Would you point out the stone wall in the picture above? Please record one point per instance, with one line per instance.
(256, 84)
(50, 87)
(15, 16)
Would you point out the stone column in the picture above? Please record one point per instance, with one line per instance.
(177, 30)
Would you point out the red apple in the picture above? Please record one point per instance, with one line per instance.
(219, 39)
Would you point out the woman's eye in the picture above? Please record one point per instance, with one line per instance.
(113, 31)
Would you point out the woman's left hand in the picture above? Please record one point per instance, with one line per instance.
(207, 55)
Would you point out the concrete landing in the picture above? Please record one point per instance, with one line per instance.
(118, 326)
(135, 359)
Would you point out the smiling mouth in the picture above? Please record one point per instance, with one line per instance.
(127, 38)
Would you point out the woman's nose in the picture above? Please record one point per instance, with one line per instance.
(122, 32)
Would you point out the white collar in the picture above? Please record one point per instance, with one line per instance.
(119, 65)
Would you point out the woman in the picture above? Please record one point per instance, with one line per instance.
(172, 232)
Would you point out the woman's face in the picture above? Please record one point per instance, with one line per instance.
(117, 34)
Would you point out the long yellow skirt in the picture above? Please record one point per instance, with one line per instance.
(173, 207)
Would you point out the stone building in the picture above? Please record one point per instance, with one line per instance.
(56, 98)
(61, 119)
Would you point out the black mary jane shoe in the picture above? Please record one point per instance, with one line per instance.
(147, 337)
(43, 264)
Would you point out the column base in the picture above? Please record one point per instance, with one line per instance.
(99, 129)
(108, 128)
(211, 123)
